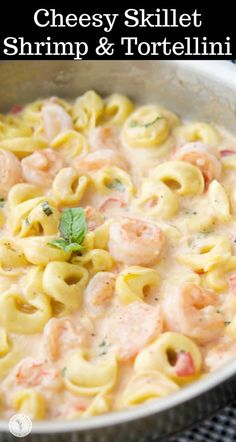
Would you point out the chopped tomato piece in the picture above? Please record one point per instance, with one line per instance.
(184, 364)
(16, 109)
(226, 152)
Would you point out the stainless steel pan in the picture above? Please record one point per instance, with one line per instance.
(199, 90)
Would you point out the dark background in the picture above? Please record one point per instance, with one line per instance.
(16, 20)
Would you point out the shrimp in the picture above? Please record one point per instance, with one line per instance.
(99, 291)
(192, 310)
(10, 171)
(110, 204)
(55, 120)
(41, 167)
(103, 137)
(71, 408)
(132, 327)
(31, 373)
(220, 354)
(135, 242)
(60, 336)
(94, 218)
(100, 158)
(202, 156)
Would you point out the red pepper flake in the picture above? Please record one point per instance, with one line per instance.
(16, 109)
(226, 152)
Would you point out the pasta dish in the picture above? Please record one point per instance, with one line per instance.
(117, 255)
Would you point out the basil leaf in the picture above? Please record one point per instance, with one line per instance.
(73, 247)
(59, 243)
(73, 225)
(73, 229)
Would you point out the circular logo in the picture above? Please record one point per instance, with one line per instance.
(20, 425)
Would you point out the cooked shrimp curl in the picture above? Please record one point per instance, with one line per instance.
(55, 120)
(94, 218)
(132, 327)
(31, 373)
(100, 158)
(135, 242)
(61, 335)
(206, 158)
(10, 171)
(192, 310)
(41, 167)
(99, 292)
(103, 137)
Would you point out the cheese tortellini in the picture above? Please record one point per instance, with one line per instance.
(133, 281)
(163, 355)
(149, 126)
(87, 378)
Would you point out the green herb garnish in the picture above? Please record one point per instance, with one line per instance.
(2, 201)
(73, 229)
(117, 185)
(63, 372)
(135, 123)
(47, 209)
(102, 344)
(187, 211)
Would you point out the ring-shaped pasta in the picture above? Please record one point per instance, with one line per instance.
(113, 179)
(180, 176)
(11, 352)
(87, 110)
(148, 126)
(163, 355)
(145, 386)
(132, 282)
(117, 109)
(70, 144)
(207, 253)
(96, 260)
(22, 316)
(23, 146)
(158, 199)
(39, 251)
(69, 186)
(12, 260)
(30, 217)
(219, 201)
(65, 283)
(29, 402)
(216, 278)
(21, 193)
(197, 132)
(83, 377)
